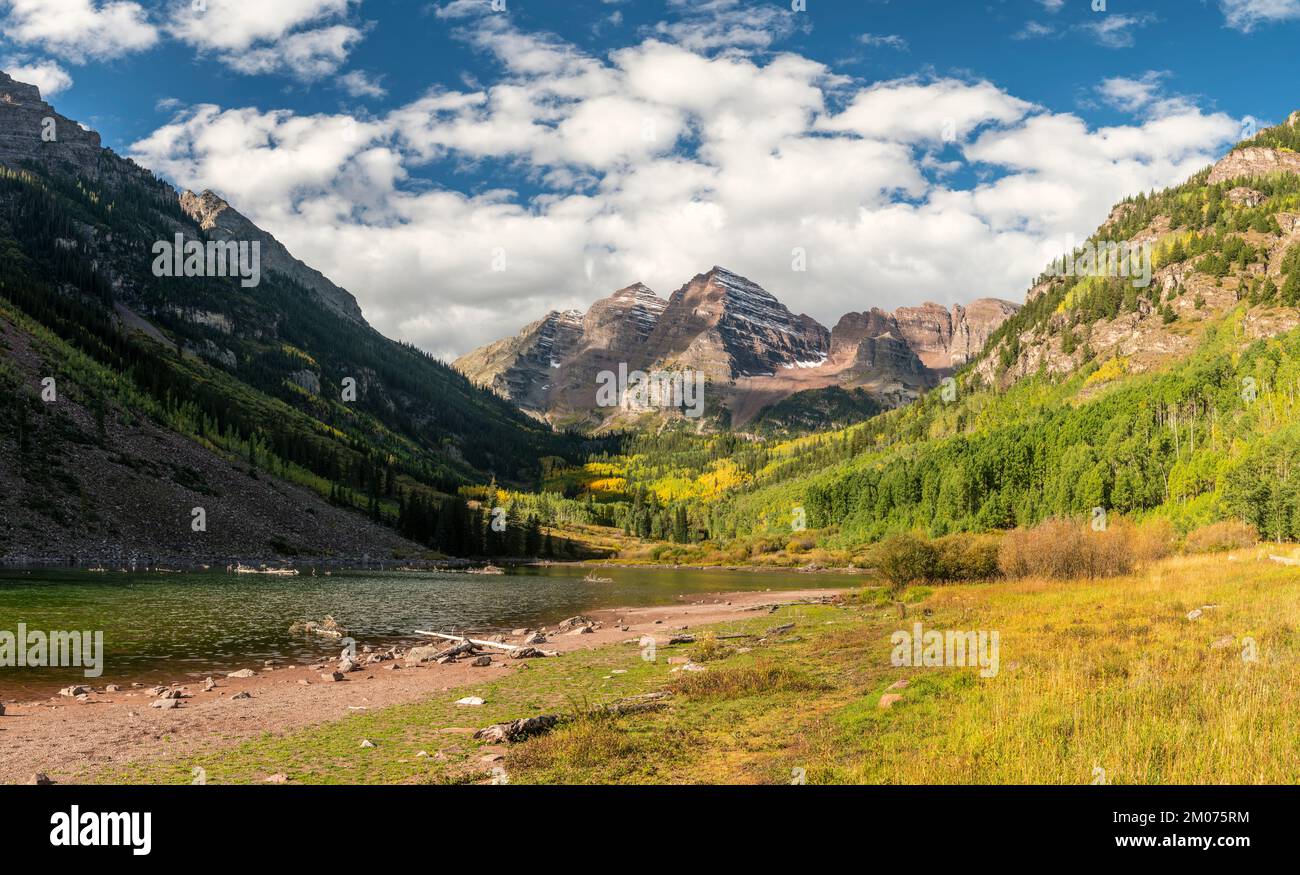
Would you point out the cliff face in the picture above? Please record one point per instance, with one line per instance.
(1254, 161)
(753, 351)
(32, 131)
(222, 222)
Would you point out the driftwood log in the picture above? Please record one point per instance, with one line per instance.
(511, 649)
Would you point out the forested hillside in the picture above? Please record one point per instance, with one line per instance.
(1177, 398)
(282, 386)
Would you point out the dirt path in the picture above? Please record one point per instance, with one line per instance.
(71, 740)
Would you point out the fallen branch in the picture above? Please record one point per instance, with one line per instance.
(514, 651)
(473, 641)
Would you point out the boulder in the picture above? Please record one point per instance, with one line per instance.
(165, 704)
(424, 653)
(535, 638)
(481, 661)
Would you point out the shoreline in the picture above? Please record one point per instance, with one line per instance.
(72, 740)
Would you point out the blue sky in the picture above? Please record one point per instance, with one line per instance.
(463, 169)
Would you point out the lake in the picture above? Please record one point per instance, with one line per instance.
(168, 627)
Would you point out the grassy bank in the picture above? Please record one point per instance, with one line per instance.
(1105, 679)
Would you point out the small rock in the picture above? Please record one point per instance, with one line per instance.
(888, 700)
(678, 660)
(304, 683)
(469, 700)
(73, 691)
(481, 661)
(535, 638)
(900, 685)
(1217, 644)
(365, 742)
(2, 710)
(112, 688)
(332, 676)
(422, 754)
(1193, 614)
(165, 704)
(519, 632)
(40, 779)
(242, 673)
(209, 685)
(681, 639)
(243, 695)
(276, 779)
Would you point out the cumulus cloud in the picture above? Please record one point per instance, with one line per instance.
(359, 83)
(1246, 15)
(305, 38)
(663, 158)
(79, 30)
(46, 75)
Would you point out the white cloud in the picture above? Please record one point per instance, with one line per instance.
(359, 83)
(46, 75)
(79, 30)
(1052, 5)
(891, 40)
(1117, 31)
(306, 38)
(1246, 15)
(704, 25)
(749, 159)
(1033, 30)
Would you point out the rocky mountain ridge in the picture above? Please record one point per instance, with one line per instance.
(753, 351)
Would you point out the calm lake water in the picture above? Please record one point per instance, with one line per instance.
(173, 627)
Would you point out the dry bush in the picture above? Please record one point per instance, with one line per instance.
(1153, 540)
(965, 556)
(1063, 549)
(1221, 537)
